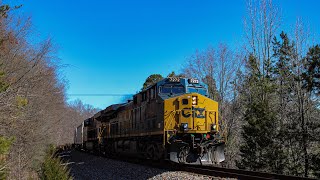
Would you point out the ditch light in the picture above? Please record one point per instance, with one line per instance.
(184, 126)
(194, 100)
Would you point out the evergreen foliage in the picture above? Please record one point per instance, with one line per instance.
(4, 9)
(33, 104)
(260, 149)
(311, 75)
(212, 88)
(152, 79)
(282, 53)
(173, 74)
(316, 164)
(5, 144)
(280, 126)
(275, 102)
(52, 168)
(3, 85)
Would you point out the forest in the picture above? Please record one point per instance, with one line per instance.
(268, 93)
(267, 89)
(34, 112)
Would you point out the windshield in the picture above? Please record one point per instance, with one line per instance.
(198, 90)
(172, 89)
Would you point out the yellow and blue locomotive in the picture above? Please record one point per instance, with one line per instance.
(173, 119)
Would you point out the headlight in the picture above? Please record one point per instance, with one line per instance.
(213, 127)
(184, 126)
(194, 100)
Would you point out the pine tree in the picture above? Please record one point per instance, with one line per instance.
(297, 111)
(311, 76)
(260, 149)
(283, 51)
(311, 82)
(52, 168)
(282, 75)
(152, 79)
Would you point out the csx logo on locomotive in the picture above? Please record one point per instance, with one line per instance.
(196, 112)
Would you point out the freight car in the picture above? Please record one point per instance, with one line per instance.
(173, 119)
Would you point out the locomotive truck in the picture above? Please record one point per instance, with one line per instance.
(173, 119)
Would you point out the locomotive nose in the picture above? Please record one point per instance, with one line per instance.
(195, 119)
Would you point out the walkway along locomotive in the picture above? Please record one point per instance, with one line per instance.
(173, 119)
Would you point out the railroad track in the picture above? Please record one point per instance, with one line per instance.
(218, 171)
(209, 170)
(215, 171)
(235, 173)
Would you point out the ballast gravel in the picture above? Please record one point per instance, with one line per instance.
(84, 166)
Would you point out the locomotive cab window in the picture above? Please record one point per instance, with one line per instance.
(184, 101)
(198, 90)
(171, 89)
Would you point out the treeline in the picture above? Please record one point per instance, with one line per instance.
(33, 108)
(267, 89)
(268, 93)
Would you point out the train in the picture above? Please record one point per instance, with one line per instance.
(173, 119)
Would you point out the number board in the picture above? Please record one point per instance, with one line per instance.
(174, 79)
(193, 81)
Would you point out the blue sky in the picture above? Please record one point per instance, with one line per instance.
(111, 47)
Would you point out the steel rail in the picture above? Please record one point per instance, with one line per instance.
(236, 173)
(206, 170)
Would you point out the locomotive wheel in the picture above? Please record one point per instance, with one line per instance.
(150, 151)
(182, 156)
(156, 153)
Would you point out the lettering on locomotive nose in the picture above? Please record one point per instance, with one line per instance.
(186, 110)
(197, 112)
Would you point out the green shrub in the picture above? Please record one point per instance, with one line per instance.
(5, 144)
(52, 168)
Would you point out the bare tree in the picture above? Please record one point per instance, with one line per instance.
(303, 107)
(217, 68)
(33, 105)
(261, 25)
